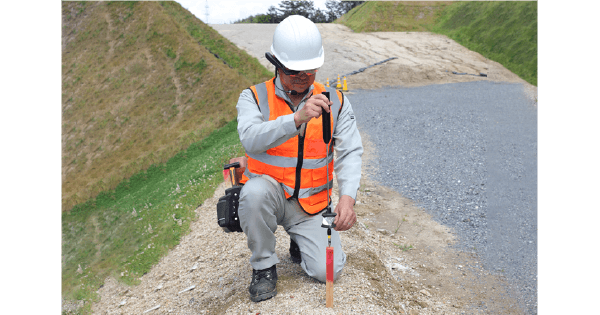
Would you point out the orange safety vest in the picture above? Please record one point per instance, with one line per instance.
(299, 164)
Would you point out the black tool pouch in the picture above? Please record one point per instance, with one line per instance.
(227, 210)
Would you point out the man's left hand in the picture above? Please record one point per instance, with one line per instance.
(345, 217)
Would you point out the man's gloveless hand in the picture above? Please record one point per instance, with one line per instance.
(346, 217)
(313, 108)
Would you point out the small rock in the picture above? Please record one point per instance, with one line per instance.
(397, 266)
(152, 309)
(402, 305)
(184, 290)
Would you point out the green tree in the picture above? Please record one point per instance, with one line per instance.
(261, 18)
(320, 17)
(274, 15)
(304, 8)
(335, 9)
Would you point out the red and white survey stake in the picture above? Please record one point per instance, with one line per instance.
(329, 277)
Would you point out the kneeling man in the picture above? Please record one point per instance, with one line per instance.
(285, 181)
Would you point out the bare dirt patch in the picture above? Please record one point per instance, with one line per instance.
(423, 58)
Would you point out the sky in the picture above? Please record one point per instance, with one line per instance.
(227, 11)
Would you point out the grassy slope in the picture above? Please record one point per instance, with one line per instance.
(393, 16)
(503, 31)
(239, 60)
(140, 85)
(146, 107)
(123, 232)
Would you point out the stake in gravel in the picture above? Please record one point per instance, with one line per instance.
(328, 217)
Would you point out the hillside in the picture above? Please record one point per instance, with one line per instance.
(503, 31)
(393, 16)
(141, 81)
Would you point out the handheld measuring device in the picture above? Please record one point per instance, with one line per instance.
(328, 216)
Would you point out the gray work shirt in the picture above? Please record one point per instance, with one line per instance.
(258, 135)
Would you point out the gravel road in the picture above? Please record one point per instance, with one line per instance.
(467, 153)
(463, 147)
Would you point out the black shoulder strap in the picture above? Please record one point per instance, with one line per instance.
(255, 100)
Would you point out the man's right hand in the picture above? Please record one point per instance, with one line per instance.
(312, 109)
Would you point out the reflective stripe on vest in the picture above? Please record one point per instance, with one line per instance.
(280, 162)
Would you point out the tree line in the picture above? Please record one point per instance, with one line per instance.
(335, 9)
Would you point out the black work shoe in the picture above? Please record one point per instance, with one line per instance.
(295, 252)
(264, 284)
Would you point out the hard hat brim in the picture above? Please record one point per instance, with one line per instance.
(300, 65)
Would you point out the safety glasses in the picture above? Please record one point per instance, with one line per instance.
(292, 73)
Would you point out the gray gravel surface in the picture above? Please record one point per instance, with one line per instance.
(467, 154)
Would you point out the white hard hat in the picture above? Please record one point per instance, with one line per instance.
(297, 44)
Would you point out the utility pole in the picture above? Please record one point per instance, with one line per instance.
(206, 11)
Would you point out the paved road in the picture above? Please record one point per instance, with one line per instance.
(467, 153)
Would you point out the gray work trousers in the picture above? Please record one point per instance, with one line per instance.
(262, 207)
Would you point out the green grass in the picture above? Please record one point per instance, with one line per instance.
(404, 247)
(106, 238)
(146, 127)
(246, 65)
(393, 16)
(503, 31)
(148, 120)
(137, 88)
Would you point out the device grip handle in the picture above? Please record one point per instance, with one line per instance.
(234, 165)
(326, 122)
